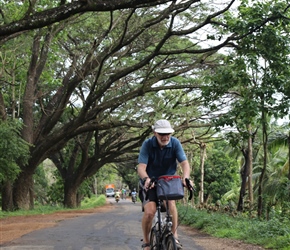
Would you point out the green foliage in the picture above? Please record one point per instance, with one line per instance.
(104, 65)
(220, 172)
(94, 201)
(252, 85)
(108, 174)
(13, 150)
(55, 192)
(128, 172)
(257, 73)
(274, 233)
(37, 210)
(49, 186)
(41, 185)
(16, 7)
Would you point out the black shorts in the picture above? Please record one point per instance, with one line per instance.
(149, 195)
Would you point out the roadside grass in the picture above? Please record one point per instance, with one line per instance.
(93, 202)
(86, 204)
(271, 234)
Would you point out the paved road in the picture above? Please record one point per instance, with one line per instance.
(117, 229)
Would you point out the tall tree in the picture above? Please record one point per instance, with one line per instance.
(275, 182)
(258, 75)
(103, 61)
(89, 75)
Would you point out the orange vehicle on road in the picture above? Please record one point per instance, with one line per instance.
(110, 190)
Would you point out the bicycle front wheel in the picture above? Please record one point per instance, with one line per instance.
(170, 243)
(154, 239)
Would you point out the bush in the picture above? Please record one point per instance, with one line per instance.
(94, 201)
(274, 233)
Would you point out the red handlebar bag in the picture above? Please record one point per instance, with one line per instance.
(169, 187)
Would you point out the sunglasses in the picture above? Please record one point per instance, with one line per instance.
(164, 134)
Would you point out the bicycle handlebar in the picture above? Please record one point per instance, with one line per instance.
(152, 180)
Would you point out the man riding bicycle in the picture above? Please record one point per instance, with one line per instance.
(158, 156)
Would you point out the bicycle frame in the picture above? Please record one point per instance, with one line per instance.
(161, 231)
(161, 236)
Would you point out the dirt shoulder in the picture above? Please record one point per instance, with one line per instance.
(14, 227)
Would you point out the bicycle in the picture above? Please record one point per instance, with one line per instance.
(161, 236)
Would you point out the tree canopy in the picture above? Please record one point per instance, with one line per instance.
(98, 73)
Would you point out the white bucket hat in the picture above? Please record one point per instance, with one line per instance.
(163, 127)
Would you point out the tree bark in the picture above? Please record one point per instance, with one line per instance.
(288, 156)
(22, 190)
(250, 168)
(244, 176)
(263, 171)
(3, 114)
(50, 16)
(202, 158)
(6, 193)
(70, 195)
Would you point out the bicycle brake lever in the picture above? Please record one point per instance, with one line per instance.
(189, 187)
(152, 180)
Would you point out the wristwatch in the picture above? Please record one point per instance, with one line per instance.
(144, 179)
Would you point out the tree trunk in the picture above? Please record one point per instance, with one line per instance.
(70, 194)
(263, 172)
(202, 158)
(3, 114)
(289, 156)
(22, 191)
(244, 176)
(6, 193)
(95, 186)
(247, 173)
(250, 168)
(31, 197)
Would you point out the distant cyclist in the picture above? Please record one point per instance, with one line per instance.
(134, 192)
(158, 156)
(134, 195)
(117, 194)
(124, 192)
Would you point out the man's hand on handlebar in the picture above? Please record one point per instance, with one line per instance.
(189, 184)
(149, 183)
